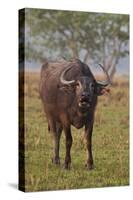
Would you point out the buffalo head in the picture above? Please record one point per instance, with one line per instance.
(85, 87)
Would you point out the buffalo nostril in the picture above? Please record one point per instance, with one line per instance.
(85, 95)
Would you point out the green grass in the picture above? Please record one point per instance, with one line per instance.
(110, 145)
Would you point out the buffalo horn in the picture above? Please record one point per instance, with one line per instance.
(62, 79)
(108, 81)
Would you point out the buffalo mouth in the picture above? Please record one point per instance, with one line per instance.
(84, 102)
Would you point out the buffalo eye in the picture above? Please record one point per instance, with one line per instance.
(78, 85)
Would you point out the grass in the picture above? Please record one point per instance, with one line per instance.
(110, 144)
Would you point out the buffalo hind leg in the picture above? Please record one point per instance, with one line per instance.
(88, 138)
(68, 137)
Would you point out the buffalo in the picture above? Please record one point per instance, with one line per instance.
(69, 93)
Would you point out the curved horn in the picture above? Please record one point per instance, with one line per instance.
(108, 81)
(62, 80)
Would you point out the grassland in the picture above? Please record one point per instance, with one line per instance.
(110, 144)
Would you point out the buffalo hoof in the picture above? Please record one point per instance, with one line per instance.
(56, 161)
(89, 166)
(67, 166)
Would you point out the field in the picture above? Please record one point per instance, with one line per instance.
(110, 143)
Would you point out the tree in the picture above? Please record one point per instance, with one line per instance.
(114, 38)
(90, 36)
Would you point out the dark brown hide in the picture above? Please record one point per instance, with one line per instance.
(67, 105)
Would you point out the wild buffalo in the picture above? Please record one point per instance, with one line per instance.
(69, 94)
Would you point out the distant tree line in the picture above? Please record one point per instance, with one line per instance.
(97, 37)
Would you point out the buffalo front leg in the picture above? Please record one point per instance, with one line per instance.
(88, 139)
(56, 144)
(56, 134)
(68, 137)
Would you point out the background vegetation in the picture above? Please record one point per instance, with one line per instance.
(110, 144)
(92, 37)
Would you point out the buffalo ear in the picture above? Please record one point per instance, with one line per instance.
(100, 90)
